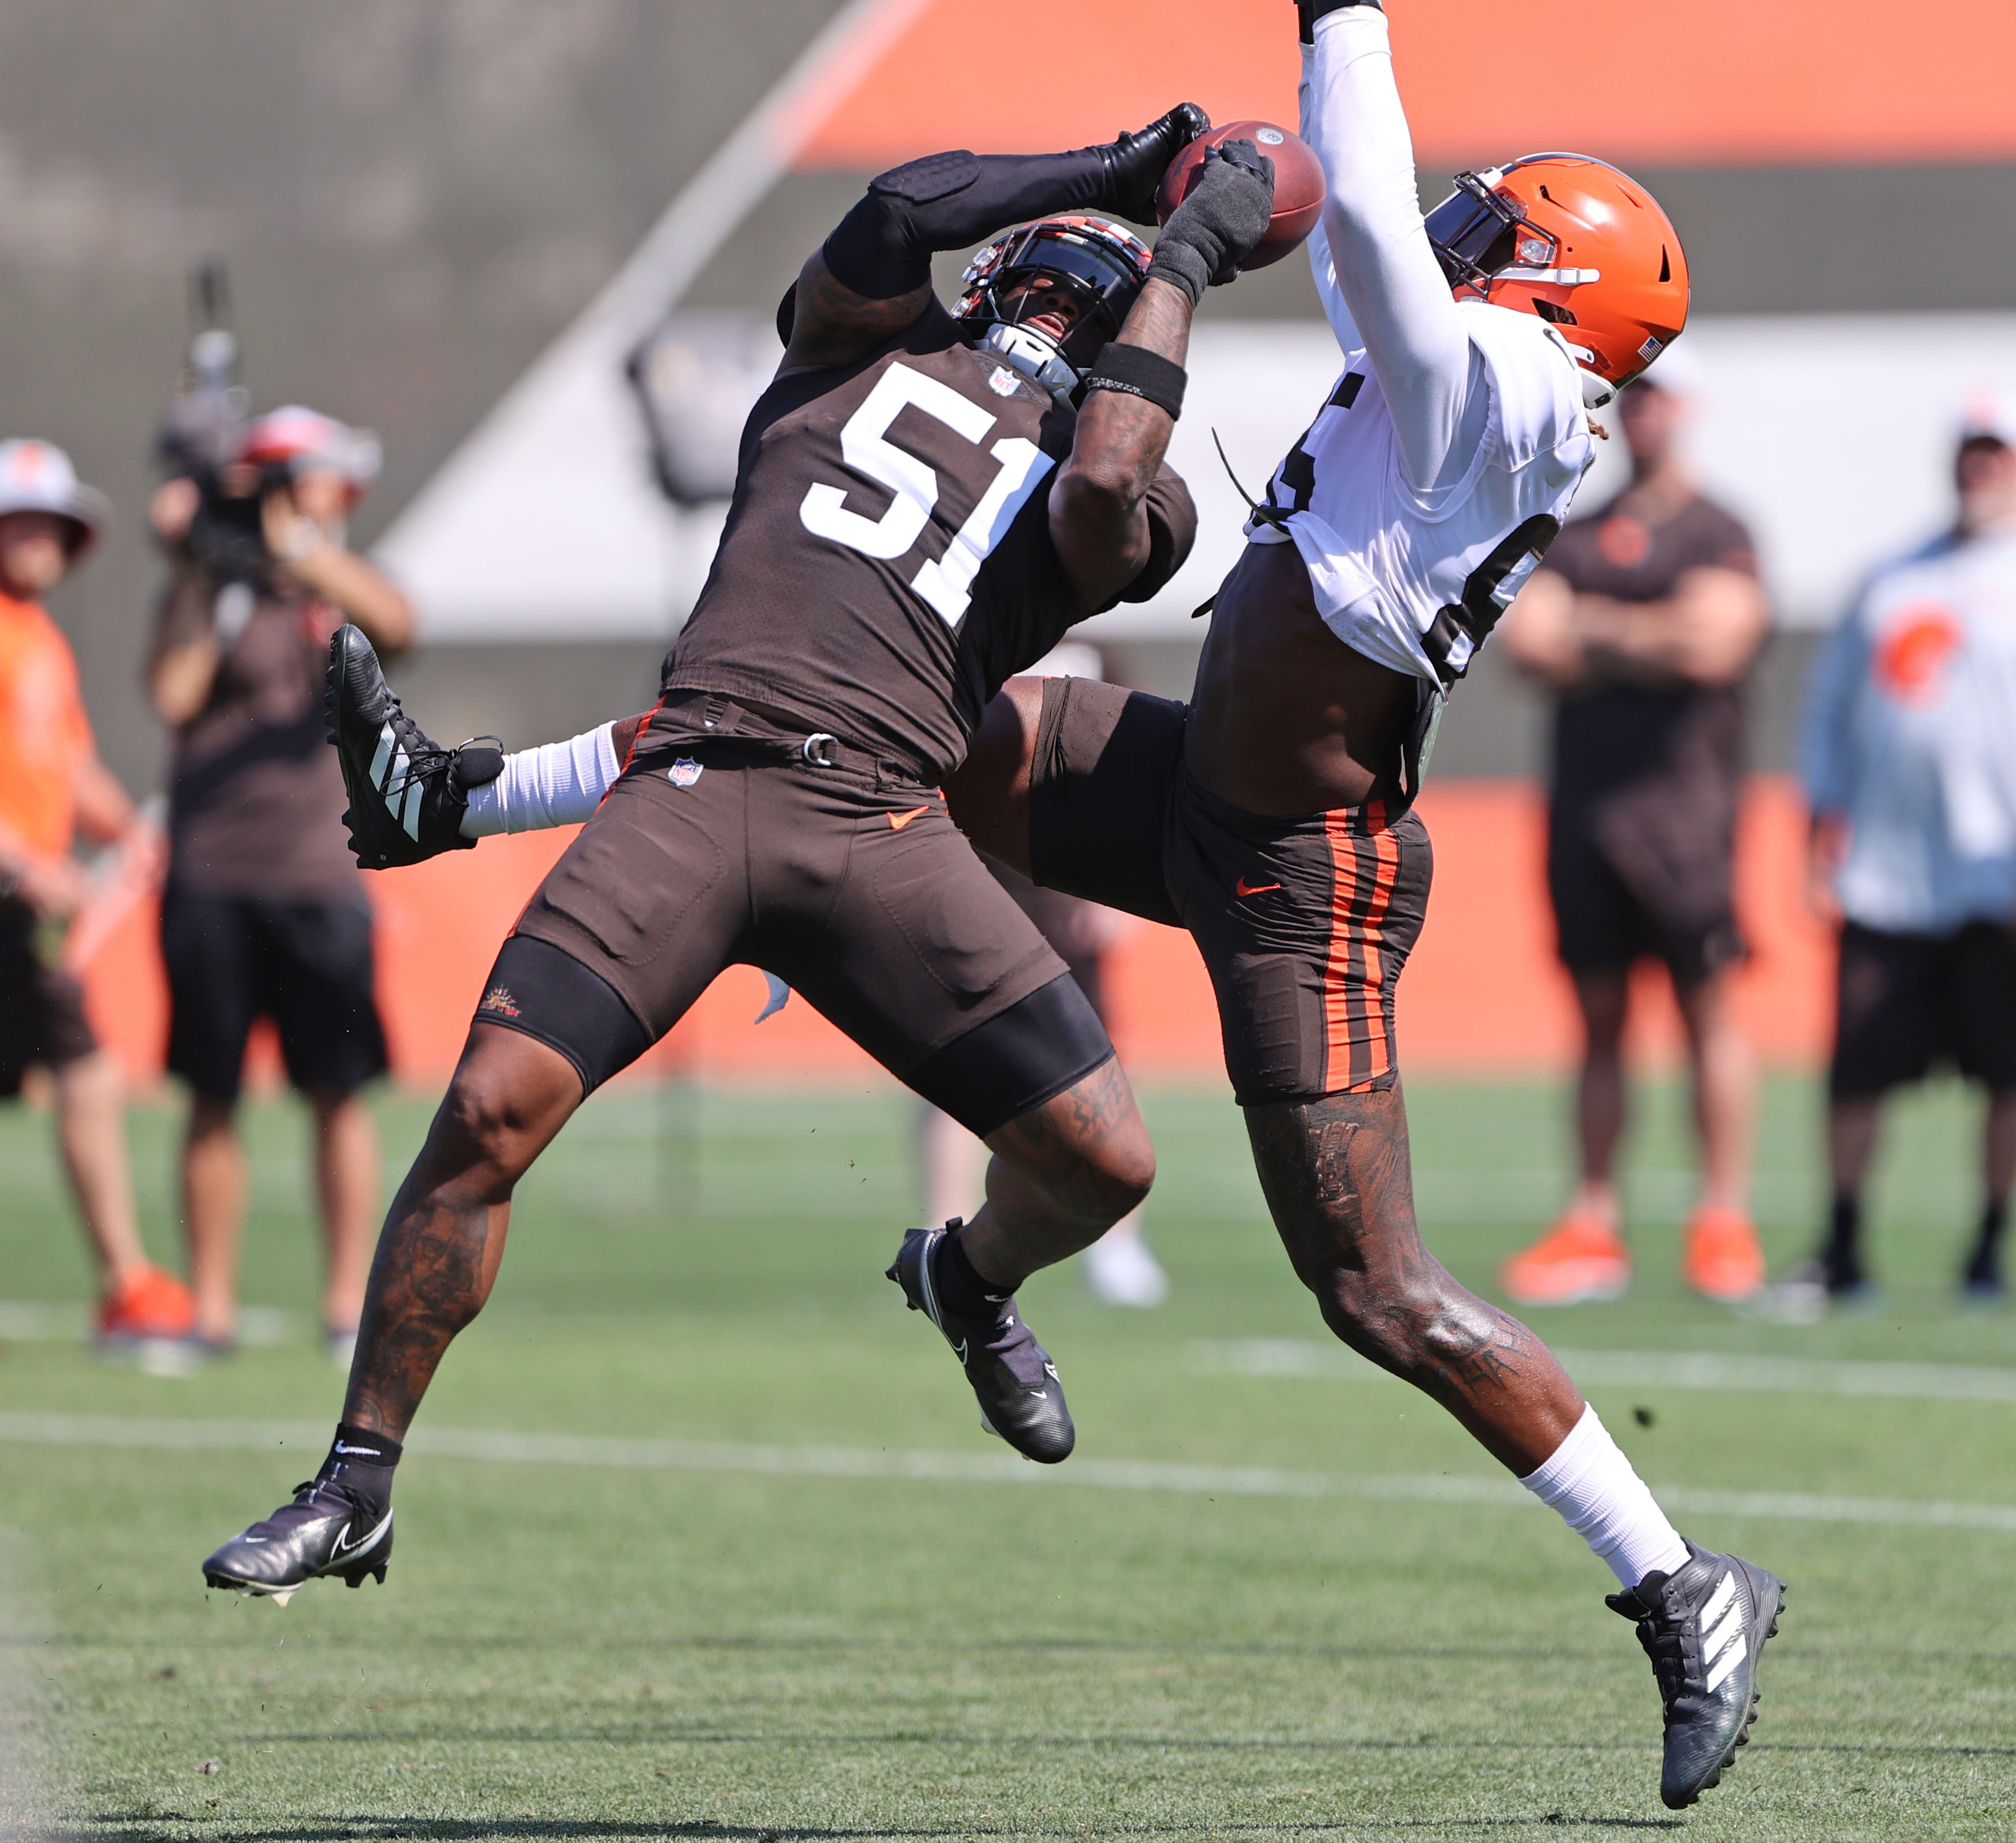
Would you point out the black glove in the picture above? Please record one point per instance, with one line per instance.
(1211, 233)
(1134, 163)
(1310, 11)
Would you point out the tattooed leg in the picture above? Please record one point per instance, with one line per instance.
(1061, 1175)
(444, 1237)
(1340, 1187)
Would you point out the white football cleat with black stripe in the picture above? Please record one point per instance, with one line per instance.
(1703, 1626)
(408, 795)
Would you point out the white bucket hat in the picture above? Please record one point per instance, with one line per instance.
(297, 437)
(37, 477)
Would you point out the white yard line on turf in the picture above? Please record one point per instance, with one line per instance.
(1645, 1368)
(307, 1438)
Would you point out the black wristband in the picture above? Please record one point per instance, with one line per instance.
(1136, 372)
(1312, 10)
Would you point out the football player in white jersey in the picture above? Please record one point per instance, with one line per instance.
(1272, 816)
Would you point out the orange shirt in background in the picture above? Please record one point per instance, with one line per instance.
(44, 736)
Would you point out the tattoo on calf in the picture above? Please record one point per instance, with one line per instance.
(427, 1284)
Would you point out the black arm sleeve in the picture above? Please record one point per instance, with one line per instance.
(1172, 525)
(882, 248)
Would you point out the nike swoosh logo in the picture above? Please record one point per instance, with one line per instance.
(899, 820)
(1244, 888)
(361, 1452)
(343, 1548)
(959, 1350)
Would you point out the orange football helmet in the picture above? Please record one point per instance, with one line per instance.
(1578, 243)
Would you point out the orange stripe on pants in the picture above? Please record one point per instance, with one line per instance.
(1354, 1009)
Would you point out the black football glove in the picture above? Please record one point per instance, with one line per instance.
(1214, 229)
(1134, 163)
(1310, 11)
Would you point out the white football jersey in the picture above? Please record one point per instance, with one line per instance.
(1414, 579)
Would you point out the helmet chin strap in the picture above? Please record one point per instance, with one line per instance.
(1597, 390)
(1035, 356)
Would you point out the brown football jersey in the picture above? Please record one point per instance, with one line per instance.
(886, 562)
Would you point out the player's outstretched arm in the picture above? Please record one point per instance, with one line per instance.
(873, 277)
(1099, 506)
(1373, 251)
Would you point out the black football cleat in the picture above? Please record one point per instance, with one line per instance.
(1704, 1627)
(1134, 163)
(323, 1531)
(1012, 1378)
(407, 794)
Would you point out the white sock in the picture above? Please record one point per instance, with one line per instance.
(561, 784)
(1591, 1483)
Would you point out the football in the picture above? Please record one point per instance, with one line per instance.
(1298, 184)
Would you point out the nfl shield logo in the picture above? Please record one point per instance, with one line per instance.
(683, 773)
(1004, 382)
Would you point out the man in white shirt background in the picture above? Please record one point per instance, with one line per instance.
(1908, 759)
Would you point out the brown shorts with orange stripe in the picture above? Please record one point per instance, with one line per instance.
(1305, 922)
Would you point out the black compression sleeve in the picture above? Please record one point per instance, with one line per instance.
(882, 248)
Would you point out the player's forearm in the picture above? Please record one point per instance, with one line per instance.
(1123, 434)
(1098, 509)
(1392, 286)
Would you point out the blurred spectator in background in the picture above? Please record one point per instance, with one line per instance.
(1644, 621)
(1909, 765)
(1119, 1268)
(264, 913)
(52, 784)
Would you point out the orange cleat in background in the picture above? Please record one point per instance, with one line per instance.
(1581, 1258)
(1723, 1261)
(151, 1303)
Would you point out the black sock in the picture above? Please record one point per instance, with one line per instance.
(1986, 1264)
(1842, 1254)
(362, 1462)
(967, 1294)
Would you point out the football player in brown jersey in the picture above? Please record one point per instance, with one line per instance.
(1272, 816)
(925, 502)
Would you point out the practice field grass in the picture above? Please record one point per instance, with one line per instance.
(795, 1593)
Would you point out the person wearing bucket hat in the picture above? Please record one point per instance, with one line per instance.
(264, 914)
(53, 785)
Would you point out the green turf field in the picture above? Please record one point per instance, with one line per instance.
(798, 1594)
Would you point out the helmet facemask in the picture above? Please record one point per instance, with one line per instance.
(1098, 266)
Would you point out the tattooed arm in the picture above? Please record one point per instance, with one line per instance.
(832, 324)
